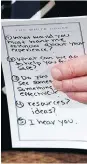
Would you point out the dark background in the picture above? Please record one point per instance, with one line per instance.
(22, 10)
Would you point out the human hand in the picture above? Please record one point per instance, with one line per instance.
(71, 78)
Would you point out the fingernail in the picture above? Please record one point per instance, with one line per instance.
(57, 85)
(69, 93)
(56, 73)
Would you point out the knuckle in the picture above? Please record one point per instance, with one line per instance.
(71, 69)
(69, 85)
(73, 86)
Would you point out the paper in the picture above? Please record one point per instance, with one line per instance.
(40, 116)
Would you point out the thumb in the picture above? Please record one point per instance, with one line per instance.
(73, 68)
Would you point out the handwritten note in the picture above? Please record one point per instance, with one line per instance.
(41, 116)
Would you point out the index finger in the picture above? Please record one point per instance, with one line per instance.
(73, 68)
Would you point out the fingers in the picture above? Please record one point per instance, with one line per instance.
(70, 69)
(71, 78)
(72, 85)
(78, 96)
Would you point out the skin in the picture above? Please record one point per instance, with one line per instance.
(71, 78)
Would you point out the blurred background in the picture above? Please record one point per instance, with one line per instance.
(26, 9)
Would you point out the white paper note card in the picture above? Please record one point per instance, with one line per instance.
(40, 116)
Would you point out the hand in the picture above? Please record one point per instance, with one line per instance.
(71, 78)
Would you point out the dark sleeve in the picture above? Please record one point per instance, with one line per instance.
(24, 9)
(68, 8)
